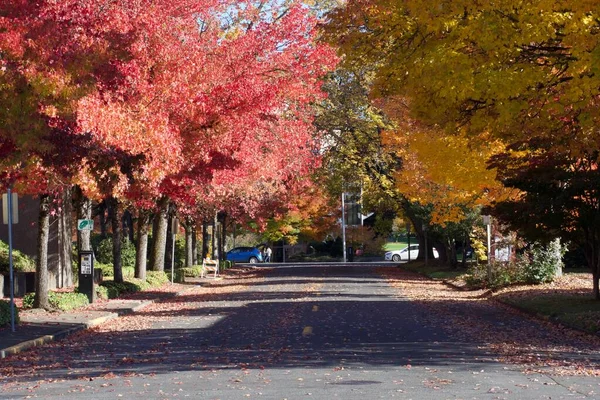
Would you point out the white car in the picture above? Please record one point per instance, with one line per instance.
(402, 255)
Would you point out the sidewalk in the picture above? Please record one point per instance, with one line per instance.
(38, 327)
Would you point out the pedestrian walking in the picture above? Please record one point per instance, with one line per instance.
(268, 253)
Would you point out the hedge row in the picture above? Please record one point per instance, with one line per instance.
(64, 301)
(132, 285)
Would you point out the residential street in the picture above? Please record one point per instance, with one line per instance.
(348, 332)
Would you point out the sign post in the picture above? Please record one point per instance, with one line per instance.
(10, 216)
(343, 227)
(174, 229)
(85, 224)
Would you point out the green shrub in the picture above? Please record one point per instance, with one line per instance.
(179, 276)
(101, 292)
(535, 266)
(21, 262)
(543, 263)
(502, 274)
(128, 272)
(104, 253)
(64, 301)
(108, 270)
(5, 317)
(156, 278)
(153, 279)
(28, 300)
(114, 289)
(180, 251)
(192, 272)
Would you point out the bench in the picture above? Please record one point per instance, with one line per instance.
(209, 266)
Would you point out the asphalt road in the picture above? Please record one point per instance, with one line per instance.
(301, 333)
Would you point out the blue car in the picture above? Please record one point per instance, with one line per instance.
(250, 255)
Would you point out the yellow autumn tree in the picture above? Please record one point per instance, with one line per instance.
(521, 75)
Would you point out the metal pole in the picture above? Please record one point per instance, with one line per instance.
(10, 261)
(408, 240)
(344, 226)
(489, 251)
(426, 247)
(173, 234)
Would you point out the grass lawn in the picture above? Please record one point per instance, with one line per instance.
(391, 246)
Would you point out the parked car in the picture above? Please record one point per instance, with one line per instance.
(250, 255)
(402, 255)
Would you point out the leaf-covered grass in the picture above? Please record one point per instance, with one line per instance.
(433, 269)
(579, 311)
(568, 300)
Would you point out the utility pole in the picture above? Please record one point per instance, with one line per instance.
(344, 226)
(487, 220)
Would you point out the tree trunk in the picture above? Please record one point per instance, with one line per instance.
(441, 249)
(205, 249)
(128, 226)
(591, 249)
(41, 283)
(115, 215)
(141, 246)
(169, 243)
(223, 236)
(194, 244)
(160, 236)
(189, 243)
(556, 246)
(215, 237)
(154, 218)
(466, 245)
(65, 241)
(596, 278)
(103, 223)
(84, 211)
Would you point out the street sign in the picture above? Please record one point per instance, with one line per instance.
(15, 208)
(85, 224)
